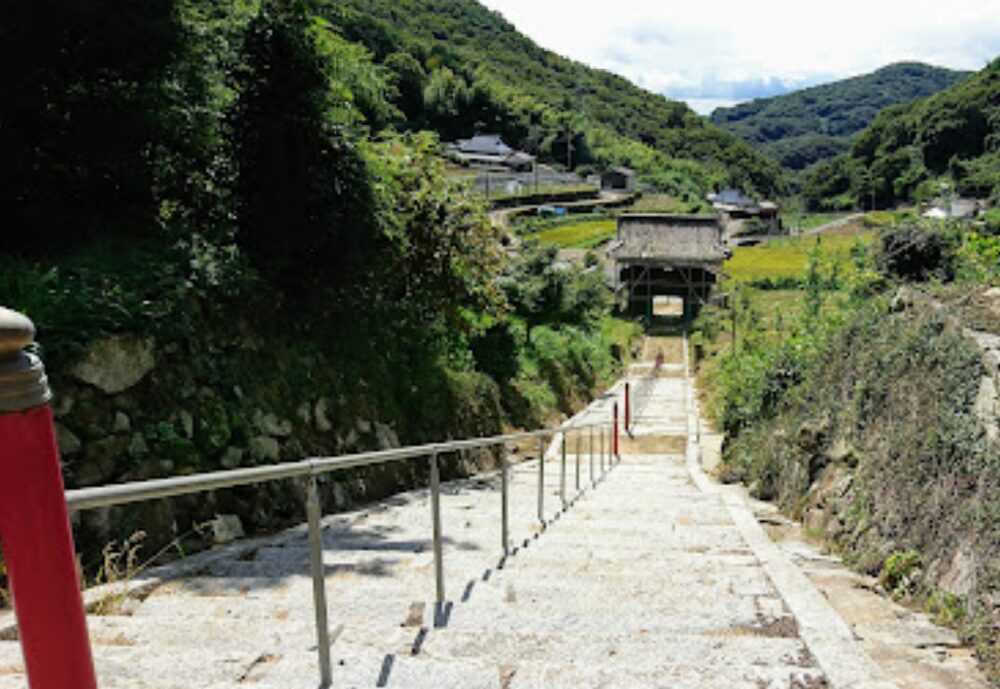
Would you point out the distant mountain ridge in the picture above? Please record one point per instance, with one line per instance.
(801, 128)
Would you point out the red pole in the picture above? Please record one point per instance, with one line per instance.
(628, 408)
(34, 524)
(616, 429)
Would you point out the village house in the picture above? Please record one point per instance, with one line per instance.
(744, 220)
(489, 150)
(737, 205)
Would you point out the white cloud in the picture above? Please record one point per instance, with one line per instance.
(705, 106)
(732, 50)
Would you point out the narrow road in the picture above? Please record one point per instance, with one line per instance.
(834, 224)
(654, 576)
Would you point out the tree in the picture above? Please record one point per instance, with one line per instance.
(445, 97)
(442, 252)
(541, 290)
(536, 288)
(306, 205)
(410, 78)
(82, 118)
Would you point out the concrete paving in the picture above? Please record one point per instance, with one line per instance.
(653, 576)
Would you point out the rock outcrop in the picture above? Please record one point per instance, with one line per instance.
(116, 363)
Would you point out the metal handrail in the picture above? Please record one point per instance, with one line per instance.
(154, 489)
(310, 469)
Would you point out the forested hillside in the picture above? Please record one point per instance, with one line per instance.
(207, 202)
(476, 72)
(802, 128)
(947, 142)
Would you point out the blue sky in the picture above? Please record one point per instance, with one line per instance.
(725, 51)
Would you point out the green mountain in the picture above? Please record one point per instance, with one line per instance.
(909, 151)
(461, 67)
(802, 128)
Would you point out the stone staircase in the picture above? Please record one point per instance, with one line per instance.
(645, 580)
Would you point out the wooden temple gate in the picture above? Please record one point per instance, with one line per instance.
(657, 255)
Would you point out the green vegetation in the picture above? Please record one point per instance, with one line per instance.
(239, 185)
(900, 573)
(802, 128)
(584, 234)
(477, 73)
(946, 143)
(785, 262)
(852, 404)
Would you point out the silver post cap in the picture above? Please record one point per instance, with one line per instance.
(23, 383)
(16, 332)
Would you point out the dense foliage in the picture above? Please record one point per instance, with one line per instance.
(232, 149)
(479, 74)
(946, 143)
(802, 128)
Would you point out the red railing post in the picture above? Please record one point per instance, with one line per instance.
(34, 523)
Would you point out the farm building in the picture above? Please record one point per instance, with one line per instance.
(618, 179)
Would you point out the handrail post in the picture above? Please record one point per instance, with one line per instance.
(313, 511)
(628, 408)
(541, 481)
(436, 519)
(579, 453)
(592, 481)
(504, 535)
(602, 453)
(562, 469)
(614, 432)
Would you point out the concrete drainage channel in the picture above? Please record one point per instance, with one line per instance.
(659, 577)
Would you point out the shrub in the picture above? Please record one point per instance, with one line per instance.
(901, 572)
(916, 252)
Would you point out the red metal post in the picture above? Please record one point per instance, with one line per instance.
(34, 524)
(628, 408)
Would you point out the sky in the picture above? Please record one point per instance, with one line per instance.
(713, 53)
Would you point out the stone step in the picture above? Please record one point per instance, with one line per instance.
(141, 667)
(572, 667)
